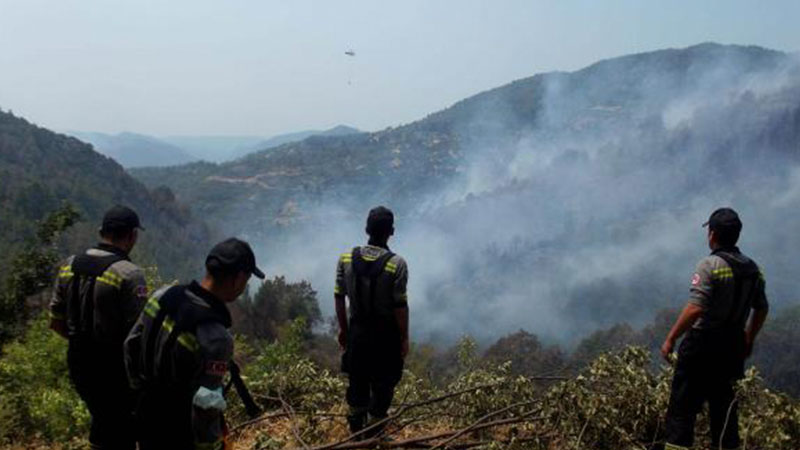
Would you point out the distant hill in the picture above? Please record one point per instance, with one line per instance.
(558, 202)
(41, 169)
(136, 150)
(220, 149)
(281, 139)
(213, 148)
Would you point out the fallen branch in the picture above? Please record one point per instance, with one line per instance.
(412, 442)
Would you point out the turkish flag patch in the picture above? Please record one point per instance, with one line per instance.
(216, 368)
(696, 279)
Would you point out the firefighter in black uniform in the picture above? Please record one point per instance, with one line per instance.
(375, 338)
(180, 349)
(726, 286)
(98, 296)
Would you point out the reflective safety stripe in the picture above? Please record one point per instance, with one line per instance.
(369, 258)
(722, 274)
(185, 339)
(65, 272)
(346, 257)
(217, 445)
(110, 279)
(152, 307)
(189, 341)
(168, 324)
(337, 289)
(391, 267)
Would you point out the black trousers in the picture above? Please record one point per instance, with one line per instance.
(709, 363)
(164, 419)
(99, 378)
(374, 367)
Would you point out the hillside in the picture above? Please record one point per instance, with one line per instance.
(41, 169)
(558, 203)
(281, 139)
(136, 150)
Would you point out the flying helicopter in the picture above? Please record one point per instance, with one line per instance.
(350, 53)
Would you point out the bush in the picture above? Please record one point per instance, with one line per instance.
(37, 399)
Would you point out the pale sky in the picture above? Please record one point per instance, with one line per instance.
(258, 67)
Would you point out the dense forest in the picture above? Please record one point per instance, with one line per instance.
(41, 170)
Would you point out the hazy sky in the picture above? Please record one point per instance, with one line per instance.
(262, 67)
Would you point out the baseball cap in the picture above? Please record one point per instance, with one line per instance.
(380, 220)
(234, 255)
(119, 217)
(724, 218)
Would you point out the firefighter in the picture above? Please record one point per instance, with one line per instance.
(98, 296)
(375, 336)
(726, 286)
(179, 350)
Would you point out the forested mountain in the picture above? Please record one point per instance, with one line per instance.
(40, 169)
(558, 203)
(219, 149)
(136, 150)
(275, 141)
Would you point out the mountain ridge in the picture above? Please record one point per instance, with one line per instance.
(42, 169)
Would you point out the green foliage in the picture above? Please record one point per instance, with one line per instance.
(275, 304)
(282, 373)
(615, 403)
(769, 420)
(31, 269)
(36, 397)
(526, 354)
(40, 170)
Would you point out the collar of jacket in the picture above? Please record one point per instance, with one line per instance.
(732, 250)
(217, 305)
(384, 246)
(112, 249)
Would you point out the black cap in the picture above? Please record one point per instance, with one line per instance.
(380, 220)
(121, 217)
(724, 219)
(234, 255)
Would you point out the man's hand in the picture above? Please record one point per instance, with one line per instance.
(342, 338)
(666, 349)
(404, 348)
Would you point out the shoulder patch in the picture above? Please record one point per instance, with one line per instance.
(141, 291)
(216, 368)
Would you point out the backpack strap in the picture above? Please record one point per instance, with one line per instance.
(178, 315)
(87, 269)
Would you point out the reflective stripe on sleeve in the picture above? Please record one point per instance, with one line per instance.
(168, 324)
(346, 257)
(110, 279)
(152, 307)
(189, 342)
(65, 272)
(722, 274)
(391, 267)
(337, 290)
